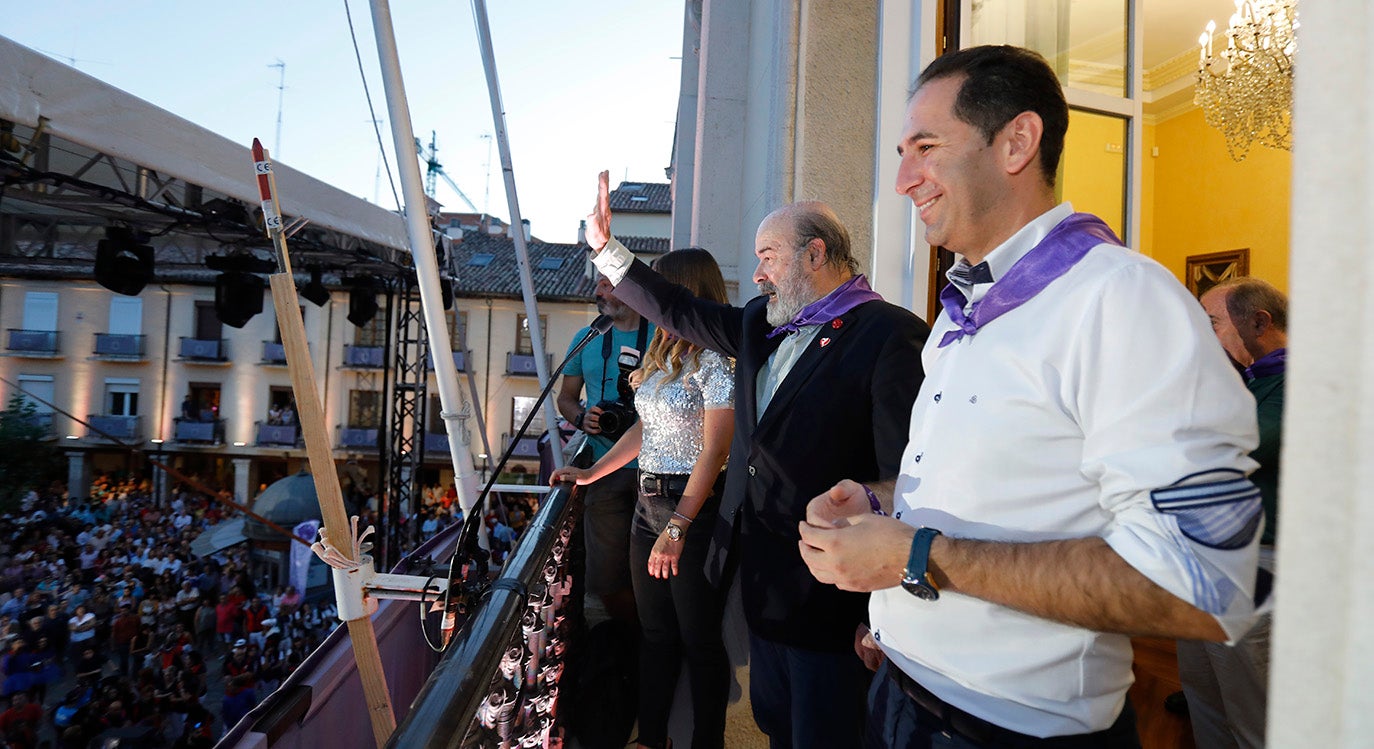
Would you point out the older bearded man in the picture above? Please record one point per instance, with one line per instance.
(825, 376)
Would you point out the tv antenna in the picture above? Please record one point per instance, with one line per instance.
(281, 92)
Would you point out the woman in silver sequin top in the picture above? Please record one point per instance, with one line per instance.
(685, 398)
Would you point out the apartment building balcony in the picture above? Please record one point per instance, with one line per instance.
(208, 351)
(106, 428)
(460, 360)
(273, 353)
(362, 357)
(277, 435)
(198, 431)
(356, 438)
(523, 365)
(45, 423)
(33, 343)
(436, 445)
(527, 447)
(118, 346)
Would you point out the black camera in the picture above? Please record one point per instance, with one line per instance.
(619, 415)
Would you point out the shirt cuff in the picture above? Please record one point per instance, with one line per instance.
(613, 261)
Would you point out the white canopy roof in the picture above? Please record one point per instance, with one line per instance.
(94, 114)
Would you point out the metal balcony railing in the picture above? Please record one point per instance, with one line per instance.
(45, 423)
(273, 353)
(197, 431)
(523, 364)
(119, 345)
(363, 357)
(196, 349)
(118, 427)
(460, 360)
(356, 438)
(277, 435)
(436, 445)
(41, 342)
(524, 626)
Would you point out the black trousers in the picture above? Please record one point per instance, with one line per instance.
(679, 618)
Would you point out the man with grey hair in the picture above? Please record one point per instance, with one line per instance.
(1226, 687)
(825, 376)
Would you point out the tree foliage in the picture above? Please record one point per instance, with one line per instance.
(28, 459)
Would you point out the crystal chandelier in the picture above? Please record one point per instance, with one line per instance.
(1246, 91)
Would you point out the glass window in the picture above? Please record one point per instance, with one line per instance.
(373, 333)
(121, 396)
(522, 333)
(520, 407)
(364, 409)
(40, 310)
(458, 330)
(36, 389)
(126, 315)
(1084, 41)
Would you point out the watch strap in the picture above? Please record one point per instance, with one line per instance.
(918, 562)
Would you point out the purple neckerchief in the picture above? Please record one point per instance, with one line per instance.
(845, 297)
(1273, 363)
(1059, 251)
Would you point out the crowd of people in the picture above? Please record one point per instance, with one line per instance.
(110, 624)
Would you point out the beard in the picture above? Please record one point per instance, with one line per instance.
(792, 293)
(612, 308)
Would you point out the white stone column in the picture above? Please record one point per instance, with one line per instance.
(160, 481)
(78, 484)
(1322, 678)
(241, 480)
(719, 149)
(684, 138)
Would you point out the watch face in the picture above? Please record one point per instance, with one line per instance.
(674, 532)
(921, 589)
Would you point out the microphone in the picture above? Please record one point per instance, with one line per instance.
(601, 324)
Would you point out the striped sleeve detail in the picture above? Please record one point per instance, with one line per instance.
(1218, 509)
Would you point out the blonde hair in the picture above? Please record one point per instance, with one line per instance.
(697, 271)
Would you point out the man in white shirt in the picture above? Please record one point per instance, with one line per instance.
(1076, 470)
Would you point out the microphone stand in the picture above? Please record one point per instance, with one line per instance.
(468, 540)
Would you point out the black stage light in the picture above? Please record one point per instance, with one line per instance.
(122, 264)
(238, 297)
(362, 303)
(315, 292)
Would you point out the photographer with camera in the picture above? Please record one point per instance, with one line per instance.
(604, 369)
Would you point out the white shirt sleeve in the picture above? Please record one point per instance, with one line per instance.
(1167, 427)
(614, 261)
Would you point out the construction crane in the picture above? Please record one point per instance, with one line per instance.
(433, 169)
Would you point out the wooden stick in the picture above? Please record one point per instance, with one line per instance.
(317, 447)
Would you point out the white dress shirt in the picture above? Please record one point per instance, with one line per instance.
(1070, 416)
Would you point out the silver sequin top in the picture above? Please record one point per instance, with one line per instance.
(674, 412)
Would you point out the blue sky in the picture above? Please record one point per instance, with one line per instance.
(586, 85)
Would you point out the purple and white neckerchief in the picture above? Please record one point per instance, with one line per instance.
(1059, 251)
(845, 297)
(1273, 363)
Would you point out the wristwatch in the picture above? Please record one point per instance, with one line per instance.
(916, 579)
(674, 532)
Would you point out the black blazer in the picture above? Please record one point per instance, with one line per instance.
(842, 412)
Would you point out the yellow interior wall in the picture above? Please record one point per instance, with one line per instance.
(1202, 201)
(1092, 177)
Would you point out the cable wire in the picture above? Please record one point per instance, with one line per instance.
(370, 109)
